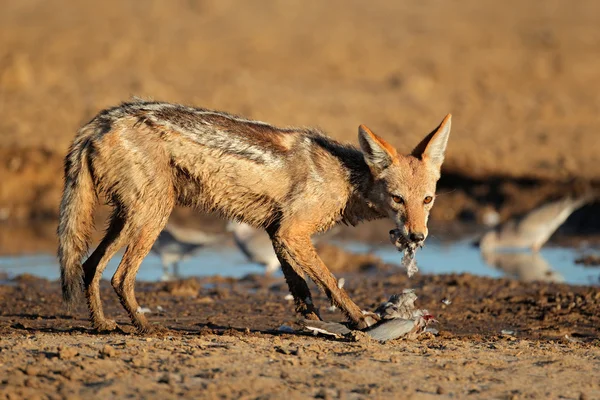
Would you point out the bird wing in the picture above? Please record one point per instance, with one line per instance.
(391, 329)
(327, 328)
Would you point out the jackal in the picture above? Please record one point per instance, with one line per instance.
(146, 157)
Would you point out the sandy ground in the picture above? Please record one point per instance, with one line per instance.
(223, 342)
(519, 77)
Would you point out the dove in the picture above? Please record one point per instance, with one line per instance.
(398, 306)
(524, 266)
(532, 230)
(174, 244)
(255, 244)
(398, 318)
(396, 328)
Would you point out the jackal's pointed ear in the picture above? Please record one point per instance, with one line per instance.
(378, 153)
(433, 147)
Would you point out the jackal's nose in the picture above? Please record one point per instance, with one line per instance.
(417, 237)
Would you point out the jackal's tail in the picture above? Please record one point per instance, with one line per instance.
(75, 220)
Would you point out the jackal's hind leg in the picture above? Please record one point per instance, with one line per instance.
(296, 283)
(114, 239)
(123, 280)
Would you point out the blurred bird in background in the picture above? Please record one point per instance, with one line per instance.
(255, 244)
(175, 244)
(525, 267)
(532, 230)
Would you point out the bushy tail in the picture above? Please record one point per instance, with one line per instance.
(76, 221)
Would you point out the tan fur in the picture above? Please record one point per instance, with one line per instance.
(390, 150)
(146, 157)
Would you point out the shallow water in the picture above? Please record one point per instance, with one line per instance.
(551, 264)
(224, 261)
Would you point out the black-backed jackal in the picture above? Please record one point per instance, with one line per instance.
(146, 157)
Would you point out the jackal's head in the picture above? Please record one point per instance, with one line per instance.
(404, 186)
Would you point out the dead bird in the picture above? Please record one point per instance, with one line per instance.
(175, 244)
(398, 318)
(396, 328)
(408, 248)
(398, 306)
(532, 230)
(255, 244)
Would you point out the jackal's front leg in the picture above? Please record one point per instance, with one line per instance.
(299, 252)
(294, 278)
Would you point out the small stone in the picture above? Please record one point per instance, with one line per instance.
(170, 379)
(359, 336)
(16, 378)
(440, 390)
(141, 360)
(66, 353)
(31, 383)
(32, 370)
(285, 329)
(327, 393)
(108, 351)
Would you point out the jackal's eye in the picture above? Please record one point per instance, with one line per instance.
(398, 199)
(428, 199)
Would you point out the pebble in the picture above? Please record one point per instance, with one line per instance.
(108, 351)
(170, 379)
(285, 329)
(66, 353)
(141, 360)
(32, 370)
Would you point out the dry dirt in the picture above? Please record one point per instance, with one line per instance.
(521, 79)
(223, 342)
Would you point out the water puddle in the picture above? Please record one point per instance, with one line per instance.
(551, 264)
(224, 261)
(554, 264)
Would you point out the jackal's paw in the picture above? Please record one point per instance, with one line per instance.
(152, 330)
(367, 320)
(105, 325)
(312, 315)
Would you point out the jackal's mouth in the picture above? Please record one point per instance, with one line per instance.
(402, 243)
(408, 249)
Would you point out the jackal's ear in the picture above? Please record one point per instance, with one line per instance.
(378, 153)
(433, 147)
